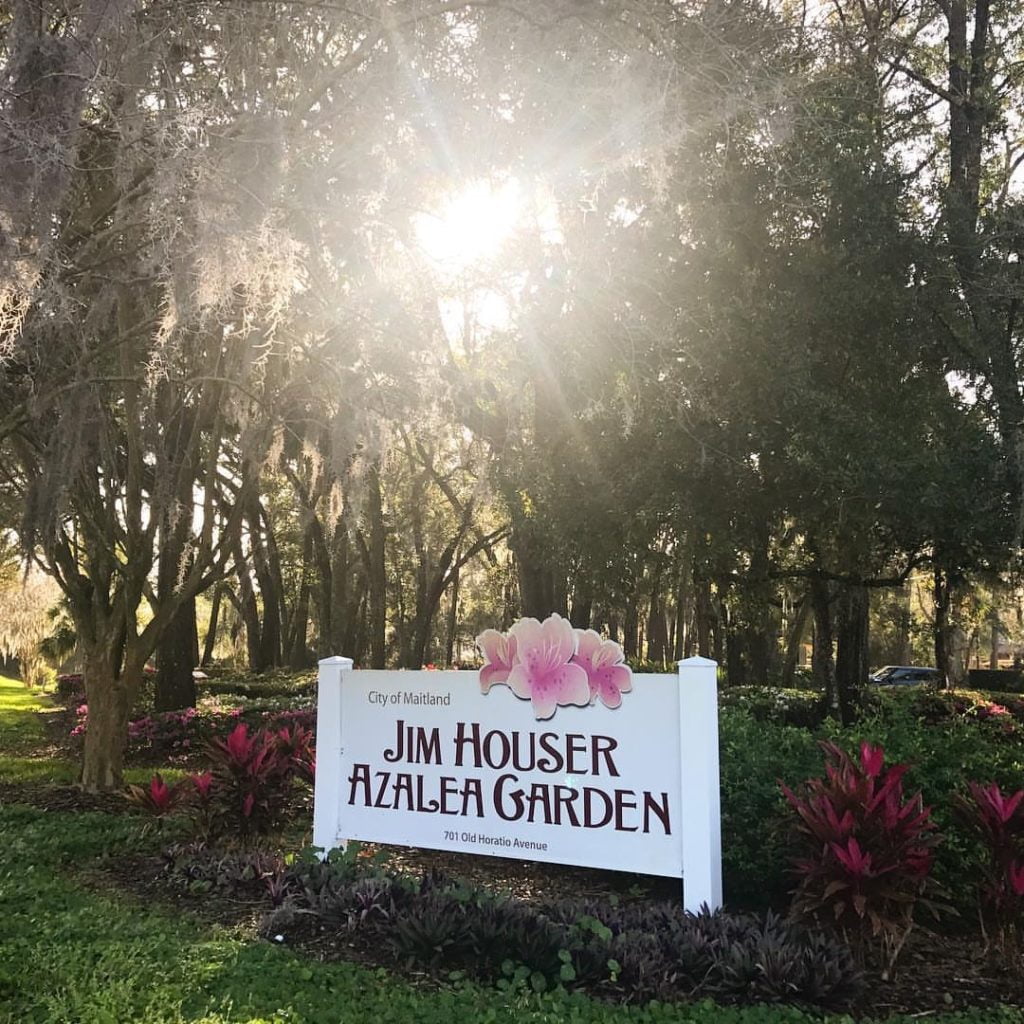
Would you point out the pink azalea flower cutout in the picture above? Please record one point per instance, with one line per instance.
(499, 653)
(543, 672)
(608, 676)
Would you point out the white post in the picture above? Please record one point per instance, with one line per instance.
(327, 785)
(701, 810)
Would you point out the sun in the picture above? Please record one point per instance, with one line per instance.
(471, 226)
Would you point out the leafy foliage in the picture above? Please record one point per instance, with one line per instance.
(867, 851)
(157, 799)
(636, 952)
(252, 780)
(71, 953)
(997, 821)
(201, 869)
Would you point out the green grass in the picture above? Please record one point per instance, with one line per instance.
(21, 729)
(23, 737)
(74, 954)
(25, 754)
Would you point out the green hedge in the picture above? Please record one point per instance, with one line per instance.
(996, 680)
(943, 757)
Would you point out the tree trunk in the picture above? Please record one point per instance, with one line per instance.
(735, 660)
(211, 630)
(581, 613)
(904, 621)
(298, 651)
(537, 595)
(270, 588)
(762, 632)
(852, 653)
(339, 593)
(721, 624)
(993, 647)
(630, 629)
(703, 617)
(794, 640)
(657, 631)
(106, 735)
(376, 572)
(822, 664)
(177, 656)
(245, 604)
(940, 628)
(452, 620)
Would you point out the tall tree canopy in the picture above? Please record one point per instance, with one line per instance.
(694, 322)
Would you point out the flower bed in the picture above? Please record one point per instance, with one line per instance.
(166, 733)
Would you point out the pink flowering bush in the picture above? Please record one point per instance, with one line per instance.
(185, 732)
(551, 664)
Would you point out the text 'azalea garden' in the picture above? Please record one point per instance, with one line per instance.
(550, 663)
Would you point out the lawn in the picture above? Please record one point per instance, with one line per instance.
(76, 950)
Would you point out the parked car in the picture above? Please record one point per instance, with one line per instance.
(905, 675)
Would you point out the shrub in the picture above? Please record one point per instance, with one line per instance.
(756, 841)
(867, 851)
(252, 780)
(430, 929)
(944, 754)
(157, 799)
(997, 821)
(225, 682)
(1000, 680)
(189, 730)
(200, 869)
(803, 708)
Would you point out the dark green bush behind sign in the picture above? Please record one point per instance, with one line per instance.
(997, 680)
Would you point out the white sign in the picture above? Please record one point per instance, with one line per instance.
(427, 759)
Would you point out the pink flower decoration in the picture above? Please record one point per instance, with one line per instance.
(499, 653)
(543, 672)
(608, 676)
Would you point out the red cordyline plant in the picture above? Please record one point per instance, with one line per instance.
(200, 805)
(252, 779)
(296, 743)
(997, 821)
(866, 850)
(157, 798)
